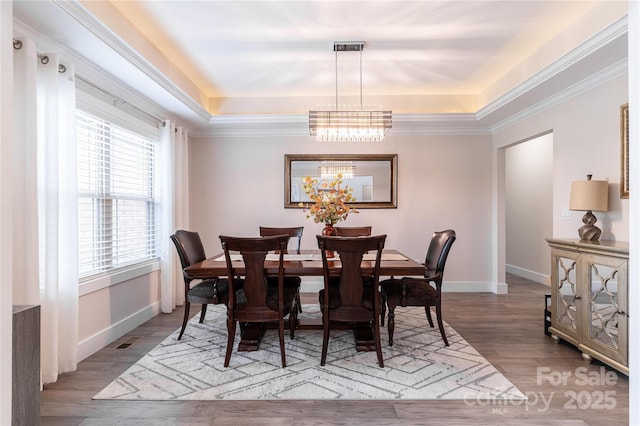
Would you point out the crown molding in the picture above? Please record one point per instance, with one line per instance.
(87, 20)
(613, 71)
(599, 40)
(255, 125)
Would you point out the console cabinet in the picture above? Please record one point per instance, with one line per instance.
(589, 298)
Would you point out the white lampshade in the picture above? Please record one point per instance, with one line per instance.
(589, 195)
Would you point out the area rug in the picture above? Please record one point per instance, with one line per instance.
(417, 366)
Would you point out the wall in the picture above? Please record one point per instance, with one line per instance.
(529, 207)
(6, 225)
(107, 313)
(586, 139)
(443, 182)
(634, 208)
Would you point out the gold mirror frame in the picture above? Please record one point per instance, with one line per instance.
(390, 201)
(624, 151)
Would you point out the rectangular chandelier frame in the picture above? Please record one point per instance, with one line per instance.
(333, 169)
(349, 124)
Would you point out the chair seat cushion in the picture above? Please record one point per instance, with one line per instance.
(289, 296)
(207, 288)
(335, 302)
(418, 292)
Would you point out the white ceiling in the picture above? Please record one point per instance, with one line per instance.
(419, 56)
(275, 48)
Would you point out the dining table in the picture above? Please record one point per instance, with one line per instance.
(307, 263)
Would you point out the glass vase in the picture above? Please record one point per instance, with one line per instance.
(329, 230)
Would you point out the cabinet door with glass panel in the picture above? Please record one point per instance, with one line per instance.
(606, 313)
(566, 296)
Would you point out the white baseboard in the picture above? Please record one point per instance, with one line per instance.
(501, 288)
(530, 275)
(468, 287)
(315, 284)
(99, 340)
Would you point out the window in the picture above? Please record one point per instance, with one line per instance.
(116, 217)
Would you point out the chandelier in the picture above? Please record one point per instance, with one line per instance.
(348, 123)
(331, 169)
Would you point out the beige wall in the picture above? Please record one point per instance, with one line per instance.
(109, 312)
(586, 139)
(529, 207)
(443, 182)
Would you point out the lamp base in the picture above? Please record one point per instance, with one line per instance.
(589, 231)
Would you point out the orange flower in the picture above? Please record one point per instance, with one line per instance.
(330, 200)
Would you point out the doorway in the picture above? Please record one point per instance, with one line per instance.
(529, 207)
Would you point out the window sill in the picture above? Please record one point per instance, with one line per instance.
(116, 277)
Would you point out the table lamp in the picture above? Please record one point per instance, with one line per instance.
(589, 195)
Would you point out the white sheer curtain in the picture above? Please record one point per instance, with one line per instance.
(175, 211)
(46, 259)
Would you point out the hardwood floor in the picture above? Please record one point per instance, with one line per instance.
(506, 329)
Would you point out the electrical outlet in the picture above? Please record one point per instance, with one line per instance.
(566, 214)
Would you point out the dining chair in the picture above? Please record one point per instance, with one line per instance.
(351, 301)
(292, 232)
(410, 291)
(353, 231)
(210, 290)
(251, 299)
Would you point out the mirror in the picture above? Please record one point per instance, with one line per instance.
(373, 177)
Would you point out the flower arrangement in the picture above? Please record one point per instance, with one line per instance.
(329, 200)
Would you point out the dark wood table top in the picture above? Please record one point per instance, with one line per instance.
(309, 263)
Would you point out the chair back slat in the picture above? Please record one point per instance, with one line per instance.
(353, 231)
(351, 277)
(255, 279)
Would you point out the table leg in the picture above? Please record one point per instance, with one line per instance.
(364, 337)
(253, 332)
(251, 336)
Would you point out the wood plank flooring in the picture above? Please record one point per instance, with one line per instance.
(505, 329)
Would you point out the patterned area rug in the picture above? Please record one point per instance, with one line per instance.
(417, 366)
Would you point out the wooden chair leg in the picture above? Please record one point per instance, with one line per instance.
(281, 335)
(203, 312)
(376, 338)
(383, 310)
(293, 321)
(440, 325)
(427, 310)
(325, 337)
(187, 305)
(231, 333)
(392, 324)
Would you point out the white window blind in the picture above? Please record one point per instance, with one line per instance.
(115, 196)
